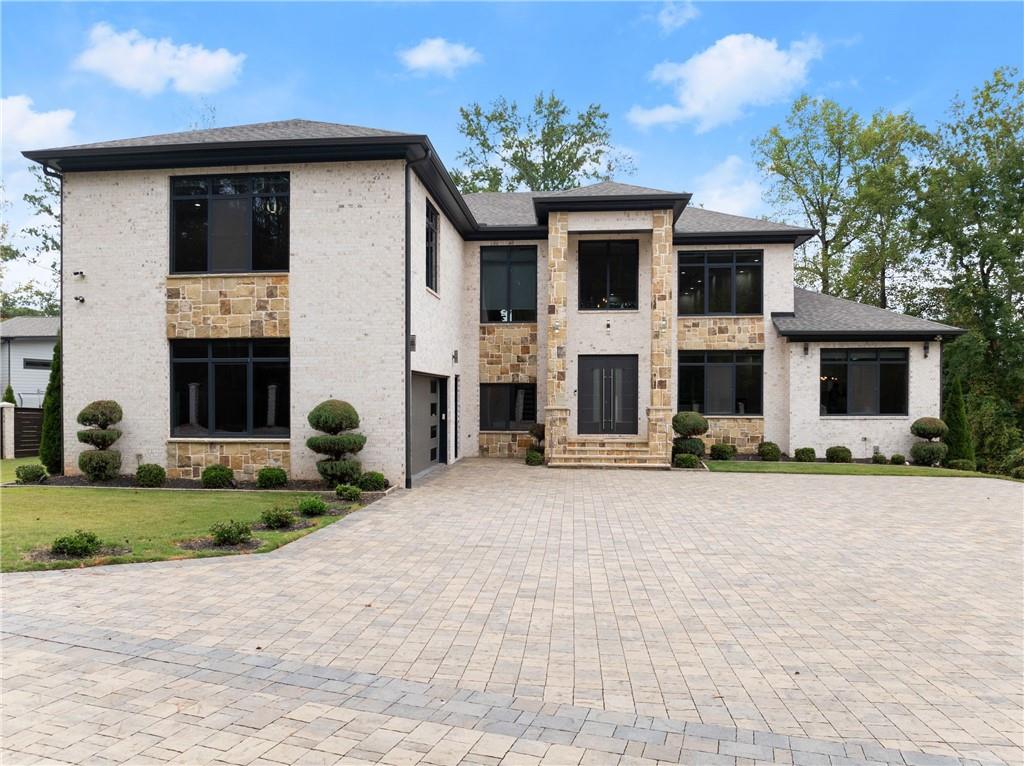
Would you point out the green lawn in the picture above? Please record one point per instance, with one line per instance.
(846, 469)
(148, 522)
(8, 467)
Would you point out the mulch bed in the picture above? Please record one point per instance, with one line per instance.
(297, 524)
(44, 555)
(207, 544)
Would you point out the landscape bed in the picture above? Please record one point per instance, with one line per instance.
(846, 469)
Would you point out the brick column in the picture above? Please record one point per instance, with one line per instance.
(663, 336)
(556, 413)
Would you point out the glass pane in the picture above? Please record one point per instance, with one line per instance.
(691, 289)
(748, 289)
(270, 407)
(494, 289)
(190, 234)
(720, 398)
(231, 185)
(189, 349)
(270, 233)
(691, 388)
(721, 259)
(623, 279)
(691, 357)
(270, 348)
(189, 399)
(720, 290)
(524, 407)
(748, 389)
(523, 289)
(494, 406)
(721, 357)
(230, 349)
(833, 355)
(833, 389)
(270, 184)
(892, 394)
(863, 379)
(190, 187)
(861, 356)
(230, 235)
(898, 354)
(593, 280)
(749, 258)
(231, 394)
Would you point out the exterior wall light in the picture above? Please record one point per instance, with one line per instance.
(80, 298)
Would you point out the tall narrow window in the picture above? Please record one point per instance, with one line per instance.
(431, 240)
(864, 381)
(721, 282)
(609, 274)
(508, 284)
(721, 382)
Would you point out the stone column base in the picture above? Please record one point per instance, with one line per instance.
(556, 431)
(659, 432)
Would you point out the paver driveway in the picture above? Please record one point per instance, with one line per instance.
(515, 615)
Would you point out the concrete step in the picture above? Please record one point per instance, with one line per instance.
(596, 463)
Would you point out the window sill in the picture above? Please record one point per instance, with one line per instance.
(734, 417)
(608, 311)
(864, 417)
(508, 324)
(489, 431)
(233, 439)
(433, 292)
(222, 274)
(720, 316)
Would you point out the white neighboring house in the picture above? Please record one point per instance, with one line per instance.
(26, 353)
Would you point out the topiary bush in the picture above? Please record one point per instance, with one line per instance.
(687, 446)
(533, 457)
(334, 418)
(839, 454)
(217, 476)
(100, 465)
(100, 414)
(769, 451)
(928, 453)
(336, 445)
(348, 493)
(689, 423)
(271, 478)
(230, 532)
(372, 481)
(339, 471)
(277, 518)
(722, 451)
(960, 464)
(150, 475)
(897, 459)
(878, 458)
(77, 545)
(805, 455)
(32, 473)
(312, 506)
(929, 428)
(99, 438)
(686, 460)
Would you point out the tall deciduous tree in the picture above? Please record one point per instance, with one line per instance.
(39, 245)
(542, 149)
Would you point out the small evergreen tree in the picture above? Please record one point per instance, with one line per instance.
(51, 450)
(9, 395)
(958, 438)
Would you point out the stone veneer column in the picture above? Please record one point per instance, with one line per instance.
(556, 413)
(663, 337)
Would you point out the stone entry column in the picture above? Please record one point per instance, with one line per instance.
(556, 413)
(663, 337)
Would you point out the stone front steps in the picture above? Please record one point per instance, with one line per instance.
(607, 453)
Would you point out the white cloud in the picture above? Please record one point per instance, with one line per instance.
(676, 14)
(25, 128)
(715, 86)
(435, 55)
(731, 186)
(147, 65)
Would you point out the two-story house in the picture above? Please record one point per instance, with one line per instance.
(220, 283)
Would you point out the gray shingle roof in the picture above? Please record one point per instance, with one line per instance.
(697, 220)
(604, 189)
(827, 316)
(30, 327)
(502, 208)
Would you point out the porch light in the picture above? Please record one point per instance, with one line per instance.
(927, 344)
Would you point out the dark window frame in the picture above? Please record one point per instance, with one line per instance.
(877, 363)
(431, 238)
(635, 256)
(733, 364)
(36, 364)
(209, 196)
(701, 258)
(211, 363)
(509, 251)
(511, 388)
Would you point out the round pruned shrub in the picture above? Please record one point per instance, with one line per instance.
(929, 428)
(271, 477)
(928, 453)
(897, 459)
(336, 445)
(878, 458)
(217, 476)
(312, 506)
(722, 451)
(78, 545)
(277, 518)
(99, 438)
(688, 446)
(533, 457)
(689, 423)
(372, 481)
(230, 532)
(333, 417)
(150, 475)
(100, 465)
(100, 414)
(769, 451)
(962, 464)
(686, 460)
(348, 493)
(336, 472)
(32, 473)
(839, 454)
(805, 455)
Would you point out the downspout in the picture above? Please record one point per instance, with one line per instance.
(408, 314)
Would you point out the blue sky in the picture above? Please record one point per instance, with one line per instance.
(687, 86)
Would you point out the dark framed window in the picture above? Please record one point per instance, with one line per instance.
(857, 381)
(507, 406)
(609, 274)
(36, 364)
(721, 382)
(508, 284)
(230, 387)
(721, 282)
(431, 239)
(227, 223)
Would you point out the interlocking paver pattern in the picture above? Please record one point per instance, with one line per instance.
(507, 615)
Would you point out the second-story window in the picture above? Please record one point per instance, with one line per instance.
(721, 282)
(508, 284)
(228, 223)
(432, 227)
(609, 274)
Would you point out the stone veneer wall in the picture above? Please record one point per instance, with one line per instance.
(744, 433)
(505, 443)
(663, 310)
(508, 353)
(556, 414)
(244, 306)
(187, 459)
(720, 333)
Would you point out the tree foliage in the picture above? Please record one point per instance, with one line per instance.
(39, 245)
(51, 452)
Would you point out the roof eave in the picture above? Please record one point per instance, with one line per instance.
(599, 204)
(797, 336)
(796, 237)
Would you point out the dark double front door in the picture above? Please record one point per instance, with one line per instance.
(607, 394)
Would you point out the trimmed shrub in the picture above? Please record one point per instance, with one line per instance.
(533, 457)
(32, 473)
(51, 446)
(99, 438)
(150, 475)
(878, 458)
(333, 417)
(839, 454)
(897, 459)
(722, 451)
(928, 453)
(961, 464)
(100, 465)
(769, 451)
(929, 428)
(958, 438)
(336, 472)
(77, 545)
(9, 395)
(372, 481)
(271, 478)
(100, 414)
(687, 446)
(805, 455)
(686, 460)
(1013, 465)
(336, 445)
(348, 493)
(689, 423)
(312, 506)
(277, 518)
(217, 476)
(230, 532)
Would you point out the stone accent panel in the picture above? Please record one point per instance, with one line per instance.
(505, 443)
(244, 306)
(659, 414)
(720, 333)
(556, 414)
(186, 460)
(508, 353)
(744, 433)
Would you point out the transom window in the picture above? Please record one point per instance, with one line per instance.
(229, 223)
(721, 382)
(721, 282)
(508, 284)
(507, 406)
(229, 387)
(36, 364)
(864, 381)
(609, 274)
(431, 240)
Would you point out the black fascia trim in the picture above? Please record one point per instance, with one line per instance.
(593, 204)
(798, 336)
(488, 233)
(797, 237)
(783, 314)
